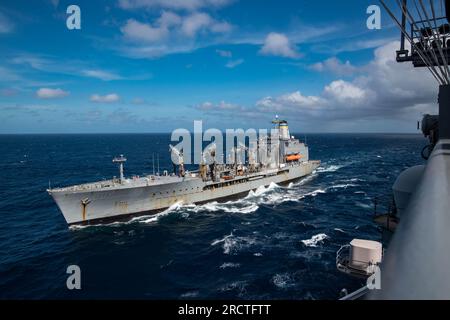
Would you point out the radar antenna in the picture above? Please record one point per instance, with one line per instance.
(425, 26)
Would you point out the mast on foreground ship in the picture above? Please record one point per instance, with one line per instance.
(116, 198)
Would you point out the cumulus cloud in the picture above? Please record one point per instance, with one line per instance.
(344, 92)
(292, 102)
(48, 93)
(387, 89)
(278, 44)
(335, 66)
(195, 22)
(382, 89)
(137, 31)
(173, 27)
(109, 98)
(173, 4)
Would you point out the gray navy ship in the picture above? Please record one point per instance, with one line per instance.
(119, 197)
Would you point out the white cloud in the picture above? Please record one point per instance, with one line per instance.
(386, 89)
(48, 93)
(335, 66)
(168, 19)
(50, 64)
(170, 33)
(221, 106)
(100, 74)
(173, 4)
(234, 63)
(344, 92)
(278, 44)
(294, 101)
(137, 31)
(173, 28)
(221, 27)
(352, 45)
(224, 53)
(6, 26)
(195, 22)
(109, 98)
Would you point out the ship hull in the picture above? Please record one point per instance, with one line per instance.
(108, 205)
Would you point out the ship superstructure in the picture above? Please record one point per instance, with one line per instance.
(119, 197)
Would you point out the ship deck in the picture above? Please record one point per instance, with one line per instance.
(154, 180)
(115, 184)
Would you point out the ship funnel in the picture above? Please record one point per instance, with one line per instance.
(283, 128)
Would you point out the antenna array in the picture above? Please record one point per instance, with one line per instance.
(424, 25)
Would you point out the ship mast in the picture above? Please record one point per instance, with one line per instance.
(120, 160)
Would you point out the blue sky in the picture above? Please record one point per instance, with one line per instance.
(157, 65)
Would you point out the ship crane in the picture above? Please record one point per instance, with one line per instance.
(120, 160)
(210, 152)
(180, 160)
(235, 152)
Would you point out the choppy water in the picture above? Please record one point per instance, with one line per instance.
(276, 243)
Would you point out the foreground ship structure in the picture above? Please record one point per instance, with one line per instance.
(416, 265)
(120, 197)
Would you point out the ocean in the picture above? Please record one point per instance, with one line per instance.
(278, 242)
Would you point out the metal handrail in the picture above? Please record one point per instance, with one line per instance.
(356, 294)
(343, 262)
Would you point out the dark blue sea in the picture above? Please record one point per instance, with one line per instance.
(276, 243)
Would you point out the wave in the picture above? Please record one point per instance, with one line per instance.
(363, 205)
(262, 190)
(343, 185)
(302, 181)
(240, 287)
(190, 294)
(232, 207)
(232, 244)
(329, 168)
(283, 280)
(97, 225)
(229, 265)
(315, 240)
(215, 242)
(314, 193)
(155, 217)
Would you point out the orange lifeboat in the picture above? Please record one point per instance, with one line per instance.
(294, 157)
